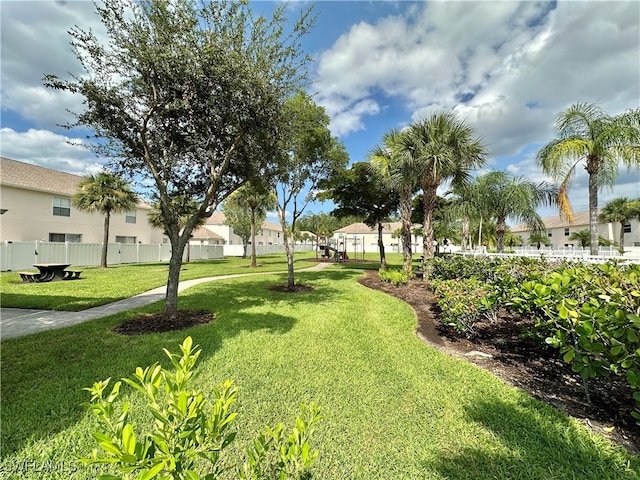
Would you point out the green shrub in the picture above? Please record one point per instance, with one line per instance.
(464, 302)
(395, 277)
(189, 433)
(592, 315)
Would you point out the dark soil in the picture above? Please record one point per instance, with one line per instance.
(287, 289)
(525, 363)
(156, 323)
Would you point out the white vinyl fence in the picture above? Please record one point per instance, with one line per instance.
(22, 255)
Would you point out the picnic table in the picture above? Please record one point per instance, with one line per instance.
(50, 272)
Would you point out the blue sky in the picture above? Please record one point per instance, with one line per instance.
(507, 68)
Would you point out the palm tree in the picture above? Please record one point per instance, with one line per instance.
(182, 208)
(444, 148)
(466, 205)
(400, 172)
(258, 201)
(587, 134)
(105, 192)
(540, 238)
(505, 196)
(620, 210)
(584, 237)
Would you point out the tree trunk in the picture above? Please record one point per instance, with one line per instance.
(405, 216)
(621, 239)
(178, 244)
(288, 248)
(501, 229)
(383, 257)
(105, 241)
(465, 234)
(592, 169)
(254, 263)
(429, 201)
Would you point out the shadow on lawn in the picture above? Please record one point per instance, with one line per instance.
(43, 375)
(535, 442)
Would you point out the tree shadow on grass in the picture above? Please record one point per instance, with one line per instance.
(534, 441)
(43, 374)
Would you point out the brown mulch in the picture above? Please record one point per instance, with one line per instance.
(156, 323)
(524, 363)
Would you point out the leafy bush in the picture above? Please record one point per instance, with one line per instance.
(592, 315)
(395, 277)
(190, 433)
(464, 302)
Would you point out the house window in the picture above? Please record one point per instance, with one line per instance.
(549, 233)
(566, 232)
(61, 207)
(627, 227)
(65, 237)
(122, 239)
(130, 216)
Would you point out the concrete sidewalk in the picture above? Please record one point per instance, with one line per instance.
(16, 322)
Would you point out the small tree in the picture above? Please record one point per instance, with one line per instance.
(308, 154)
(620, 210)
(400, 173)
(189, 97)
(105, 192)
(360, 191)
(244, 210)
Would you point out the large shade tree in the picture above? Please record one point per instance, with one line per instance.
(620, 210)
(445, 148)
(399, 172)
(309, 154)
(517, 198)
(107, 193)
(360, 191)
(188, 97)
(588, 136)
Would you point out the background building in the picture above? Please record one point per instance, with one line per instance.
(559, 230)
(268, 234)
(36, 205)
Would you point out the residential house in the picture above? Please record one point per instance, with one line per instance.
(35, 203)
(269, 233)
(559, 230)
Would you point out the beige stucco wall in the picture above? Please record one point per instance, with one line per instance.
(30, 217)
(610, 231)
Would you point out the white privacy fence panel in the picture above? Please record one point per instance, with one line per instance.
(22, 255)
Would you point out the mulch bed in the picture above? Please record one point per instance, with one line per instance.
(156, 323)
(524, 363)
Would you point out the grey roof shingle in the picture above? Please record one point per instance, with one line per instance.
(33, 177)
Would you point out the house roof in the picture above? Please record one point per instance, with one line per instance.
(218, 218)
(580, 219)
(363, 229)
(203, 233)
(33, 177)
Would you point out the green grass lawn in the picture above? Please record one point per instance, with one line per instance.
(99, 286)
(393, 407)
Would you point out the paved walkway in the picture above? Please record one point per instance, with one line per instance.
(16, 322)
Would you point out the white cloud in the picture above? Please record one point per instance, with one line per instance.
(35, 42)
(47, 149)
(508, 67)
